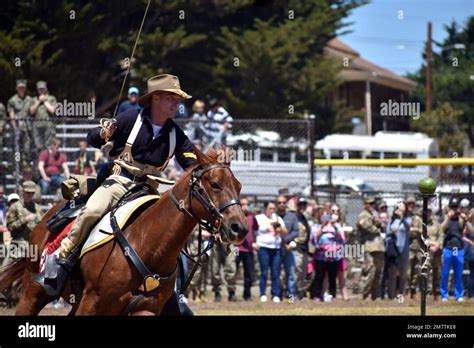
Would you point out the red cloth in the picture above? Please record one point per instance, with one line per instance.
(246, 245)
(52, 163)
(54, 240)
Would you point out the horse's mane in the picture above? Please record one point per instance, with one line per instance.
(221, 155)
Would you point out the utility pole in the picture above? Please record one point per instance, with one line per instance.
(429, 59)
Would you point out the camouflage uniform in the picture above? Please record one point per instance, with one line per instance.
(415, 252)
(301, 259)
(370, 236)
(198, 284)
(435, 236)
(44, 129)
(20, 108)
(20, 230)
(220, 257)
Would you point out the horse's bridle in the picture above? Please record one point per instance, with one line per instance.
(213, 226)
(198, 192)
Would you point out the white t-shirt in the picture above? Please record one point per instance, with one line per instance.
(264, 238)
(156, 130)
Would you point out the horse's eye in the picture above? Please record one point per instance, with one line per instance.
(215, 185)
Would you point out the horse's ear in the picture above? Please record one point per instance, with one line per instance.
(201, 157)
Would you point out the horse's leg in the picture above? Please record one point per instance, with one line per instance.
(33, 298)
(73, 310)
(88, 304)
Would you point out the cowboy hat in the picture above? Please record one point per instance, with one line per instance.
(162, 83)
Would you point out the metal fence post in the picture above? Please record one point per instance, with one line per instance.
(311, 130)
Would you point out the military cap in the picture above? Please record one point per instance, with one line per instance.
(410, 199)
(382, 204)
(41, 84)
(369, 200)
(21, 83)
(29, 186)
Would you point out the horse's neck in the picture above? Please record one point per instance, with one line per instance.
(170, 228)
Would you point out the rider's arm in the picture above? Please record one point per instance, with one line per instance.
(125, 122)
(184, 152)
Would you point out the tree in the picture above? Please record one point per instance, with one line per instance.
(453, 68)
(443, 124)
(82, 48)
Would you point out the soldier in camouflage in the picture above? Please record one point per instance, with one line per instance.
(18, 113)
(3, 129)
(22, 216)
(369, 234)
(42, 109)
(435, 247)
(416, 229)
(197, 286)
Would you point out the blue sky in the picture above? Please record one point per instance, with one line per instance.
(396, 44)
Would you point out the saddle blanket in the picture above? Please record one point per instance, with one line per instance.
(101, 233)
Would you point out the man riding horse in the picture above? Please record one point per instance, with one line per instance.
(143, 145)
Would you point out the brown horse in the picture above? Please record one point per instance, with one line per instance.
(157, 235)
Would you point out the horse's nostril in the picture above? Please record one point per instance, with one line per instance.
(236, 227)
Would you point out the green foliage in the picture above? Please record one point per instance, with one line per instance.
(451, 76)
(443, 124)
(80, 47)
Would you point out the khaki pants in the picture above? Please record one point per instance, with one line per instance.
(100, 203)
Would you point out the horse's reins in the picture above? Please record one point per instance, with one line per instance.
(198, 191)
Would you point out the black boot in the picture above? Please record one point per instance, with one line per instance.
(217, 297)
(232, 297)
(56, 273)
(176, 307)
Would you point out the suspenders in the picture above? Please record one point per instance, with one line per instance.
(125, 159)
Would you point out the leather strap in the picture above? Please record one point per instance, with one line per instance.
(135, 129)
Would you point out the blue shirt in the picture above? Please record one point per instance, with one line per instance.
(401, 234)
(126, 105)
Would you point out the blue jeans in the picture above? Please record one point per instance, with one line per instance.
(269, 258)
(455, 259)
(289, 264)
(470, 281)
(185, 271)
(51, 187)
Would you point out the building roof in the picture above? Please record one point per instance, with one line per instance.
(360, 69)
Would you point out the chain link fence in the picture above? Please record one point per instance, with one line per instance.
(269, 154)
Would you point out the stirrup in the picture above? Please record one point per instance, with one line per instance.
(53, 279)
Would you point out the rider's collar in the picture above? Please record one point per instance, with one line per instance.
(146, 119)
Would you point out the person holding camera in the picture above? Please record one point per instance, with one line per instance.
(269, 236)
(453, 253)
(328, 241)
(398, 250)
(370, 236)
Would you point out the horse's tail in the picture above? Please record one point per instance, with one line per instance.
(11, 272)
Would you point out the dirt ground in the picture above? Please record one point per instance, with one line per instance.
(354, 306)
